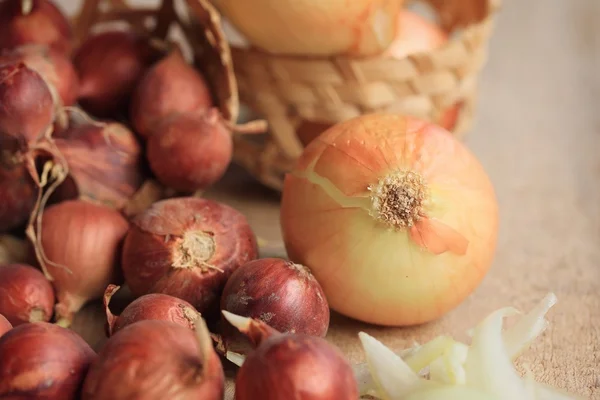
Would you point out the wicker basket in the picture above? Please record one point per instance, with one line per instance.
(290, 90)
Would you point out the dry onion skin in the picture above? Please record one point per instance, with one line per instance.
(395, 217)
(156, 360)
(444, 368)
(357, 27)
(187, 247)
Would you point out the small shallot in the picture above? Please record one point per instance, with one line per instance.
(110, 64)
(104, 162)
(291, 366)
(79, 252)
(17, 193)
(34, 21)
(54, 67)
(25, 294)
(284, 295)
(5, 326)
(170, 86)
(27, 111)
(189, 152)
(186, 247)
(43, 361)
(154, 306)
(157, 360)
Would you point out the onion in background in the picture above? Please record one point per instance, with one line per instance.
(315, 27)
(34, 21)
(110, 64)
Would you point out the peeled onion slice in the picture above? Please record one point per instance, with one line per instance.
(482, 370)
(488, 365)
(520, 335)
(392, 375)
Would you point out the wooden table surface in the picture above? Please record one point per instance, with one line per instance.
(538, 135)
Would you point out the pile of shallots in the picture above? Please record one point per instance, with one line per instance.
(81, 129)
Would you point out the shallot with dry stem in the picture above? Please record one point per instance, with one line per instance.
(157, 360)
(104, 159)
(153, 306)
(290, 366)
(186, 247)
(25, 294)
(78, 245)
(284, 295)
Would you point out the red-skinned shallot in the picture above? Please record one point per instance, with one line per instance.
(189, 152)
(104, 163)
(290, 366)
(110, 64)
(171, 86)
(34, 21)
(25, 294)
(54, 67)
(5, 326)
(27, 111)
(186, 247)
(79, 252)
(153, 306)
(17, 192)
(284, 295)
(43, 361)
(156, 360)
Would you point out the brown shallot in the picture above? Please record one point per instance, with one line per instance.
(186, 247)
(43, 361)
(153, 306)
(104, 162)
(291, 366)
(78, 247)
(25, 294)
(5, 326)
(34, 21)
(110, 64)
(156, 360)
(170, 86)
(189, 152)
(284, 295)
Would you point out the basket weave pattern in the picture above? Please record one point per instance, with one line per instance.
(287, 90)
